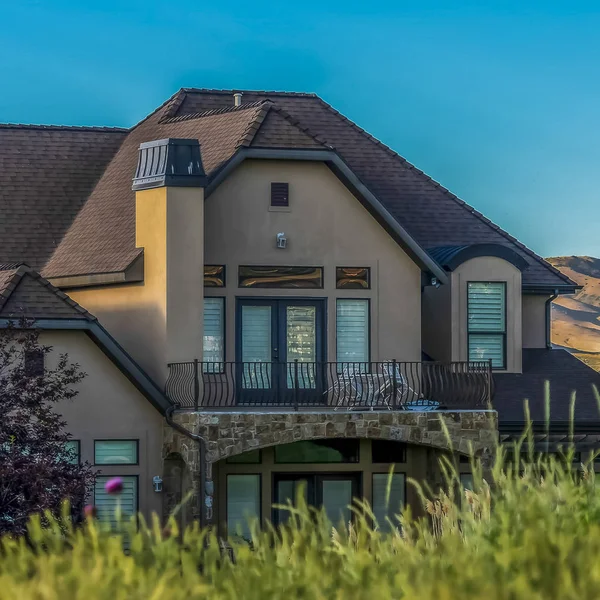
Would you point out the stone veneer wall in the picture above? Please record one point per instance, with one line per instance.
(230, 433)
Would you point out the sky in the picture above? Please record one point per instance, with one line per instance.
(499, 101)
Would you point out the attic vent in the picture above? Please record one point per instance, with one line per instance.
(280, 194)
(170, 162)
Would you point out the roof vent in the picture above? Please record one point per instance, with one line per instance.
(237, 99)
(170, 162)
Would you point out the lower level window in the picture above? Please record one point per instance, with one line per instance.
(389, 492)
(243, 503)
(106, 503)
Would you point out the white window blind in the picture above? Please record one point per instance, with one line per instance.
(352, 330)
(487, 322)
(106, 503)
(214, 330)
(256, 346)
(388, 507)
(243, 503)
(115, 452)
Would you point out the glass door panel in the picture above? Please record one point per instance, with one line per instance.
(337, 498)
(257, 346)
(301, 345)
(287, 490)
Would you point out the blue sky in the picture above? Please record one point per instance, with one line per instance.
(499, 101)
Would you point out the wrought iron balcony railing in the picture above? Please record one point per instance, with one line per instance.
(384, 385)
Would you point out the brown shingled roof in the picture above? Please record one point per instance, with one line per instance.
(102, 237)
(46, 175)
(25, 293)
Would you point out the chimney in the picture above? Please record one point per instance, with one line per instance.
(169, 197)
(237, 99)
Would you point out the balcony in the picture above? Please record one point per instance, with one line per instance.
(389, 385)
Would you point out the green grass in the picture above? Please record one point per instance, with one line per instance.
(529, 531)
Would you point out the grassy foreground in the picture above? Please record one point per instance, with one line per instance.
(531, 535)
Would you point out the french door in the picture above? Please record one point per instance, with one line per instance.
(280, 351)
(332, 491)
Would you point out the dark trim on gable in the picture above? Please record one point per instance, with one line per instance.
(111, 348)
(352, 182)
(454, 257)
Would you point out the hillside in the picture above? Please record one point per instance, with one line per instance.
(576, 319)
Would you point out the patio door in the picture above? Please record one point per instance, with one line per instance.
(332, 491)
(271, 336)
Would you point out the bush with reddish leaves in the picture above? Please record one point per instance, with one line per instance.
(36, 470)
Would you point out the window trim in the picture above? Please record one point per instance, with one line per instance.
(504, 333)
(224, 307)
(215, 287)
(258, 474)
(137, 453)
(369, 326)
(369, 279)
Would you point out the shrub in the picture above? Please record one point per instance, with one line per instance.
(533, 533)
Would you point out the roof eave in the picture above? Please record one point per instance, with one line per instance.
(111, 348)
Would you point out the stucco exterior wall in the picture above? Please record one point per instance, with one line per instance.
(488, 269)
(108, 406)
(325, 226)
(534, 321)
(151, 319)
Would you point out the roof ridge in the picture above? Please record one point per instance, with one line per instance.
(64, 127)
(446, 191)
(298, 124)
(209, 113)
(254, 125)
(235, 91)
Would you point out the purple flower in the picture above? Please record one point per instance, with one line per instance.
(90, 511)
(114, 485)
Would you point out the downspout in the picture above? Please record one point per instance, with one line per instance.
(549, 319)
(202, 452)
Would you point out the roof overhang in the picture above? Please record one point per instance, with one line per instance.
(111, 348)
(134, 273)
(352, 182)
(451, 257)
(550, 290)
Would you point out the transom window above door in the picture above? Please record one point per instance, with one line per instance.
(280, 277)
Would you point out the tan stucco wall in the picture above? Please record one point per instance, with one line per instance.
(151, 320)
(108, 406)
(488, 269)
(534, 321)
(325, 226)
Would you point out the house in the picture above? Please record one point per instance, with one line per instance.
(263, 294)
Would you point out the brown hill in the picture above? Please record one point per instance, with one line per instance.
(576, 318)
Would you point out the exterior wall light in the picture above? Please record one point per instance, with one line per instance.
(157, 483)
(281, 241)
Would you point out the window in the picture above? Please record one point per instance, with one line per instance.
(116, 452)
(388, 451)
(281, 277)
(214, 275)
(34, 363)
(486, 308)
(280, 194)
(252, 457)
(388, 499)
(243, 503)
(356, 278)
(352, 331)
(318, 451)
(107, 503)
(72, 452)
(213, 348)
